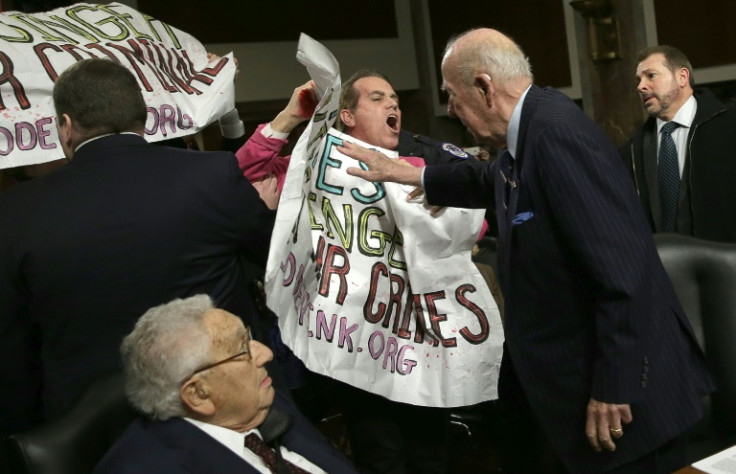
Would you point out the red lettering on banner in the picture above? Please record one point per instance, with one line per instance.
(394, 301)
(332, 268)
(70, 48)
(319, 257)
(184, 84)
(421, 329)
(211, 71)
(368, 314)
(436, 318)
(477, 311)
(412, 301)
(135, 56)
(103, 50)
(7, 77)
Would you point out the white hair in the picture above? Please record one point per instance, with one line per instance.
(167, 344)
(496, 55)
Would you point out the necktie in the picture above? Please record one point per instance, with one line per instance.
(668, 177)
(256, 444)
(506, 167)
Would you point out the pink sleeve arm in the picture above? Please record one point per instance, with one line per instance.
(259, 157)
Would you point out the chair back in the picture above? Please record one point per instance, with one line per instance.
(704, 276)
(76, 442)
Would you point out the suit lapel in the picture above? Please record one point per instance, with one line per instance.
(649, 161)
(509, 211)
(196, 450)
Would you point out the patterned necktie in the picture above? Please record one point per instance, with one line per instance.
(669, 177)
(256, 444)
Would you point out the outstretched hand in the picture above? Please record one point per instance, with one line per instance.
(380, 167)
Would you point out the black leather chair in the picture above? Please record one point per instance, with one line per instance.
(704, 277)
(76, 442)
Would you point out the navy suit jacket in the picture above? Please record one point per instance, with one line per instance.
(590, 311)
(87, 249)
(177, 446)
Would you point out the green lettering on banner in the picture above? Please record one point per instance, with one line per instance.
(345, 233)
(67, 25)
(169, 31)
(363, 233)
(45, 35)
(25, 37)
(73, 13)
(125, 17)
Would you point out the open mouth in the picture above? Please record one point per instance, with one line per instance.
(392, 121)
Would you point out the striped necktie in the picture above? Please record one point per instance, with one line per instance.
(274, 462)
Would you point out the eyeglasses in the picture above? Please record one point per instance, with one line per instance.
(246, 351)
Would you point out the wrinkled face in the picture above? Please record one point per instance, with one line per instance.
(660, 90)
(241, 388)
(468, 104)
(377, 117)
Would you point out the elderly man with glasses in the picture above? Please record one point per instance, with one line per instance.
(199, 379)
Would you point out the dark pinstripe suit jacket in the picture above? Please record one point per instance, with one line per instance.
(590, 311)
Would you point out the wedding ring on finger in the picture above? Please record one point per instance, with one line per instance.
(616, 430)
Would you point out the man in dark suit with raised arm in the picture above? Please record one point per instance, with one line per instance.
(597, 345)
(126, 225)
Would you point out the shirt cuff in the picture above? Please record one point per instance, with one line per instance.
(231, 126)
(268, 132)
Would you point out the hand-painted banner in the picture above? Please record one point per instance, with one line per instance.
(371, 289)
(183, 92)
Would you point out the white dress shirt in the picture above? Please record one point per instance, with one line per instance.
(234, 441)
(684, 118)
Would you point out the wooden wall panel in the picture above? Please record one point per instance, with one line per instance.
(222, 21)
(704, 30)
(538, 26)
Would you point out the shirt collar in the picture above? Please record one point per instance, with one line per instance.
(512, 134)
(684, 117)
(231, 438)
(101, 136)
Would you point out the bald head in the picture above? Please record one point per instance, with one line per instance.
(488, 51)
(484, 74)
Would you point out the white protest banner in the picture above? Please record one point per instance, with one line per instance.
(183, 92)
(371, 289)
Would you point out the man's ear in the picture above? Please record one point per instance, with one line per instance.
(683, 77)
(65, 127)
(196, 395)
(485, 87)
(347, 118)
